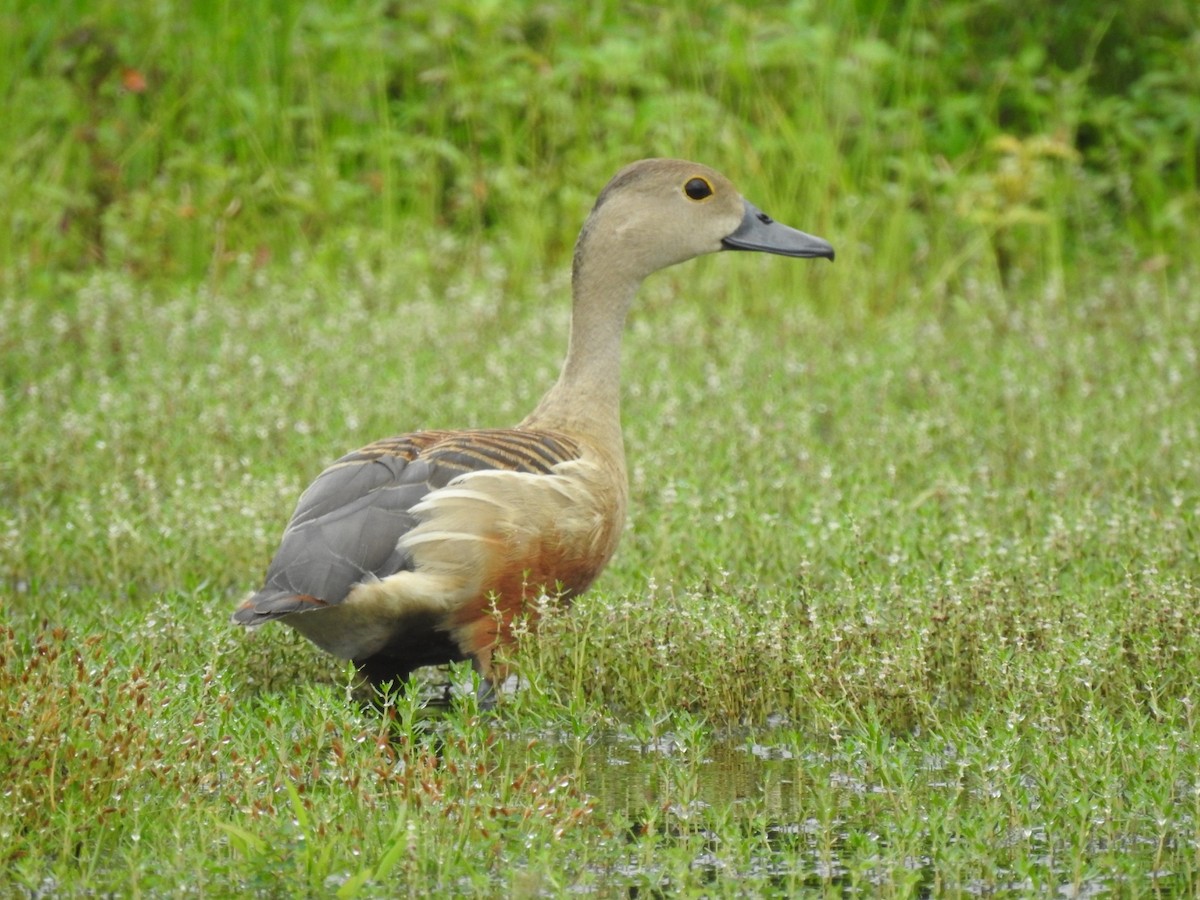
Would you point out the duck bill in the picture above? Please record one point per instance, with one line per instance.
(759, 231)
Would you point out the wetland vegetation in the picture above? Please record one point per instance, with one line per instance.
(909, 599)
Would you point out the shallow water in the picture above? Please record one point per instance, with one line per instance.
(803, 819)
(625, 773)
(770, 812)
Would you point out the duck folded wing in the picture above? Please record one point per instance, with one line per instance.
(348, 526)
(345, 528)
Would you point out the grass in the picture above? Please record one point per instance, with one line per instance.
(907, 601)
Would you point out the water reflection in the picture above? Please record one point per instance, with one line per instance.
(780, 812)
(626, 774)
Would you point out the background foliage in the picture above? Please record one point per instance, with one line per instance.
(160, 139)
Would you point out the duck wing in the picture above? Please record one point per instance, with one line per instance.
(348, 525)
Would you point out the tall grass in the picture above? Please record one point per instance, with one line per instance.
(907, 601)
(167, 141)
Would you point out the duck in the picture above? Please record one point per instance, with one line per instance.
(426, 548)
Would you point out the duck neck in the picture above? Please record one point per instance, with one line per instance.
(586, 399)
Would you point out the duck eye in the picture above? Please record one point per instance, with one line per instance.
(698, 188)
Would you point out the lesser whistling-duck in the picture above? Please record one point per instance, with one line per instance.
(421, 549)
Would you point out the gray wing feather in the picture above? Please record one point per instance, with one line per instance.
(345, 530)
(347, 525)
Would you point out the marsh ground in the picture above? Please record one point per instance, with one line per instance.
(907, 603)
